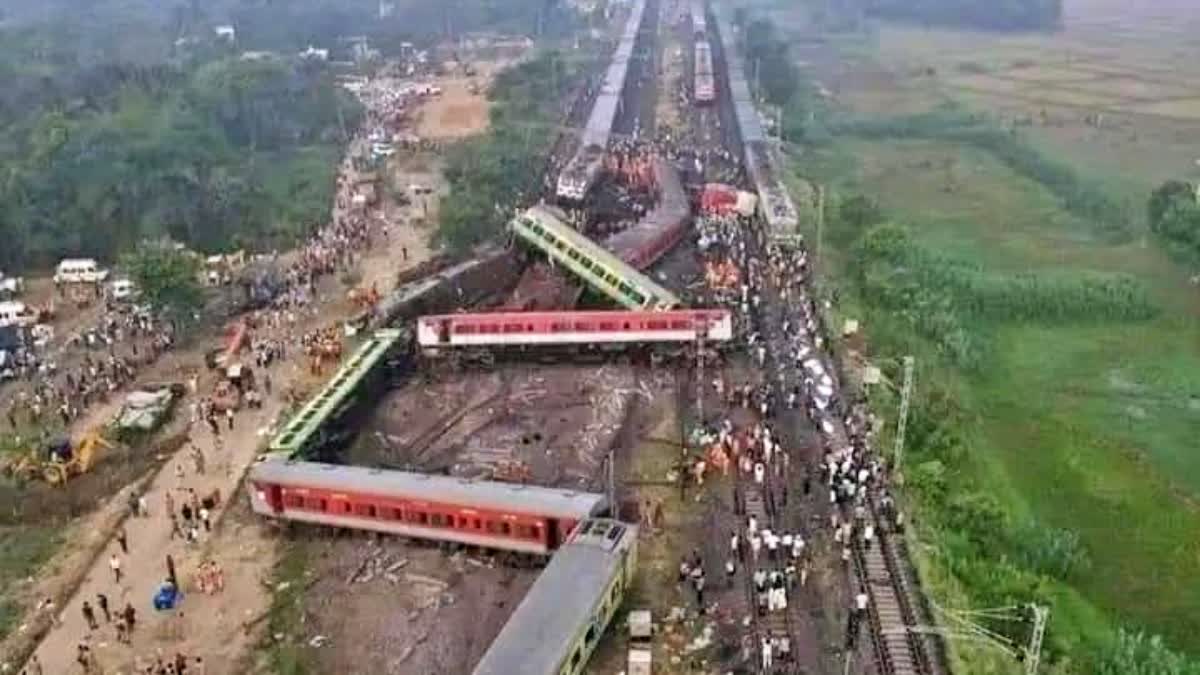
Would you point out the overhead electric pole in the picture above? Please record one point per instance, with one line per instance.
(1033, 653)
(902, 419)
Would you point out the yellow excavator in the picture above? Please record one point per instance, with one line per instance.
(59, 461)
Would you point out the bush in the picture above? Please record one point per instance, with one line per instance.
(1139, 654)
(1051, 551)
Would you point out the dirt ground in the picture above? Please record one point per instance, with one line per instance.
(385, 605)
(555, 423)
(459, 111)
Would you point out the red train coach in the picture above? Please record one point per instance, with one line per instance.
(594, 328)
(503, 516)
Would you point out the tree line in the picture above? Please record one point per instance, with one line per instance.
(228, 153)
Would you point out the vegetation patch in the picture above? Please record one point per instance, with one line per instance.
(1083, 197)
(956, 304)
(492, 175)
(220, 153)
(284, 647)
(23, 550)
(1045, 459)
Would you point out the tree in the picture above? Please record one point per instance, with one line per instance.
(1164, 198)
(167, 276)
(1174, 216)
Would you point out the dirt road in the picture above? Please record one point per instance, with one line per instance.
(202, 625)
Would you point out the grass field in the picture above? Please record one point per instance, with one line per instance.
(23, 549)
(1089, 428)
(1086, 427)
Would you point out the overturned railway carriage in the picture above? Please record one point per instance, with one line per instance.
(603, 331)
(500, 516)
(330, 415)
(582, 170)
(467, 282)
(601, 270)
(644, 243)
(557, 626)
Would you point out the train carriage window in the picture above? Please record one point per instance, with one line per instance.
(478, 524)
(315, 504)
(506, 529)
(365, 510)
(396, 514)
(293, 501)
(437, 520)
(607, 325)
(347, 507)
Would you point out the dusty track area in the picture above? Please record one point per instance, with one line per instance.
(462, 108)
(203, 625)
(382, 605)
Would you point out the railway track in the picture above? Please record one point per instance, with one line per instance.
(896, 606)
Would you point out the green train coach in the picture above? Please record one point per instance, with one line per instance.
(597, 267)
(354, 382)
(556, 628)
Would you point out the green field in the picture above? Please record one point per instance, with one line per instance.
(1088, 427)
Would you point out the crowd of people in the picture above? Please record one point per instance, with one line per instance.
(780, 330)
(111, 354)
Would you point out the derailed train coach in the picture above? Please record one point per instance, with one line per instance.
(499, 516)
(556, 628)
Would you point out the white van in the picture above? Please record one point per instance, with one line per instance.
(16, 314)
(79, 271)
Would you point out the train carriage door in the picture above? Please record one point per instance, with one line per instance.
(443, 331)
(553, 537)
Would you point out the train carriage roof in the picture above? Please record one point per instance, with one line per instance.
(539, 635)
(509, 497)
